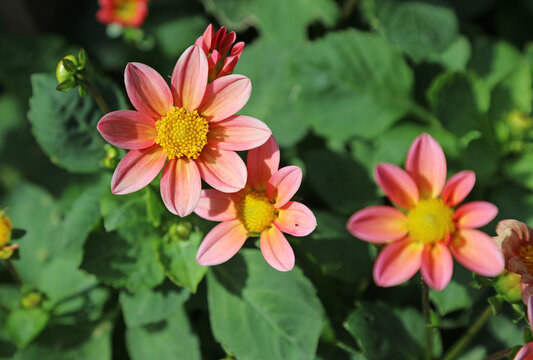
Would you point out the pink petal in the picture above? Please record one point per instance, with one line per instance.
(217, 206)
(147, 90)
(225, 96)
(437, 265)
(477, 252)
(378, 224)
(458, 187)
(238, 133)
(397, 262)
(397, 185)
(475, 214)
(426, 164)
(262, 163)
(525, 353)
(137, 169)
(128, 129)
(189, 78)
(221, 243)
(530, 310)
(224, 170)
(284, 184)
(180, 186)
(276, 249)
(296, 219)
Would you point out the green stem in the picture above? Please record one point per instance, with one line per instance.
(96, 95)
(13, 272)
(459, 346)
(426, 308)
(502, 354)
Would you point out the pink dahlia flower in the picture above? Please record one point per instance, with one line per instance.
(516, 242)
(429, 228)
(216, 48)
(192, 125)
(526, 352)
(262, 209)
(124, 12)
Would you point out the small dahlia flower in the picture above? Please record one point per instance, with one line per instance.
(192, 125)
(526, 352)
(516, 242)
(262, 209)
(123, 12)
(428, 228)
(216, 48)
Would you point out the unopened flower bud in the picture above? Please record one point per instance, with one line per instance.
(508, 286)
(31, 299)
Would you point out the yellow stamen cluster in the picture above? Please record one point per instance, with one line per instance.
(182, 133)
(526, 255)
(256, 212)
(125, 9)
(5, 229)
(430, 221)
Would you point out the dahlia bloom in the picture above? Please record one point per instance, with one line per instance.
(262, 209)
(216, 48)
(124, 12)
(192, 124)
(428, 229)
(516, 242)
(526, 352)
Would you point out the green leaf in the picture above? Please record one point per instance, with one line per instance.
(122, 210)
(353, 84)
(154, 207)
(150, 306)
(420, 29)
(178, 259)
(258, 312)
(171, 338)
(342, 183)
(455, 296)
(65, 125)
(454, 57)
(125, 258)
(189, 28)
(383, 333)
(459, 101)
(23, 325)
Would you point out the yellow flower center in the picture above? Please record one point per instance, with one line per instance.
(125, 9)
(182, 133)
(430, 221)
(256, 212)
(526, 255)
(5, 230)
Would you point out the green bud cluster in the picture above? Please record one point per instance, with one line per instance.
(71, 71)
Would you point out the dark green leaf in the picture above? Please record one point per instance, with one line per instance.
(23, 325)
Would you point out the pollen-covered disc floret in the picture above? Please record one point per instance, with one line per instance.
(256, 211)
(430, 221)
(182, 133)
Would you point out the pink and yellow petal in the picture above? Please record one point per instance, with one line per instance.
(426, 164)
(225, 96)
(378, 224)
(217, 206)
(238, 133)
(189, 78)
(525, 352)
(276, 249)
(221, 243)
(458, 187)
(128, 129)
(437, 265)
(137, 169)
(284, 184)
(397, 185)
(397, 262)
(180, 186)
(476, 251)
(475, 214)
(147, 90)
(223, 170)
(262, 163)
(296, 219)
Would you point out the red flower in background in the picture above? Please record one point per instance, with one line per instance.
(216, 48)
(124, 12)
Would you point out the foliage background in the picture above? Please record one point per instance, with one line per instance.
(343, 85)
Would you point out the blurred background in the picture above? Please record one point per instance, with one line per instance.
(343, 84)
